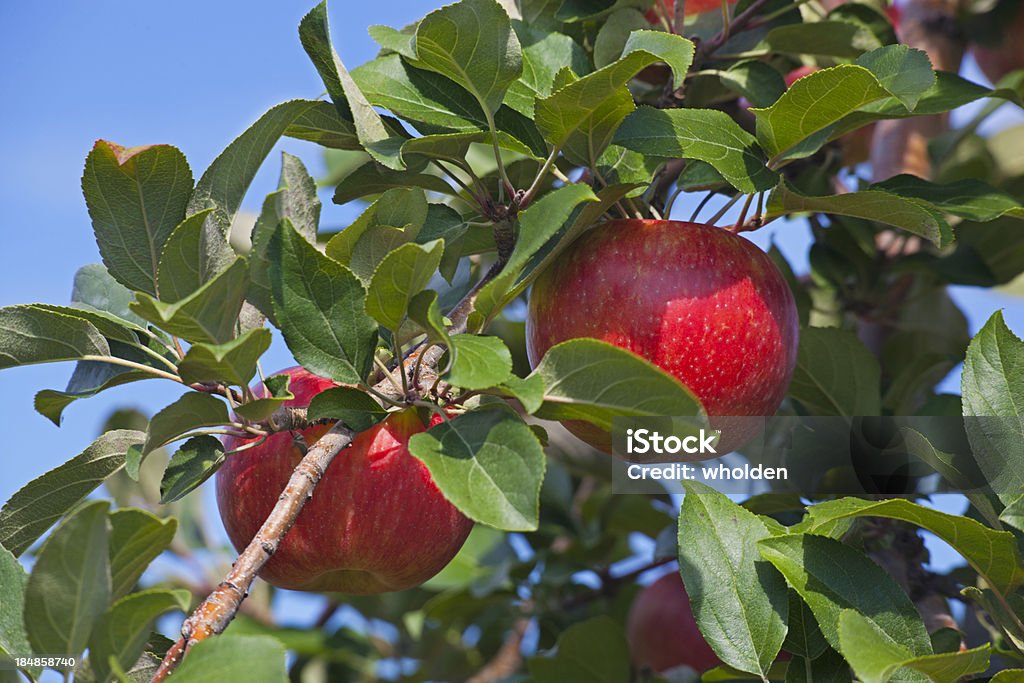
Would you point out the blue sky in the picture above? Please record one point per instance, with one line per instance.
(192, 74)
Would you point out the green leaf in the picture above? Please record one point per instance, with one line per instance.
(576, 375)
(122, 632)
(192, 464)
(277, 394)
(704, 134)
(967, 198)
(400, 276)
(874, 205)
(296, 200)
(38, 504)
(559, 115)
(357, 409)
(537, 224)
(13, 639)
(136, 196)
(875, 658)
(804, 638)
(233, 362)
(453, 147)
(594, 650)
(478, 362)
(29, 334)
(324, 125)
(830, 667)
(225, 182)
(993, 396)
(760, 83)
(425, 312)
(614, 32)
(110, 326)
(472, 43)
(404, 209)
(1007, 676)
(210, 314)
(821, 38)
(835, 374)
(372, 178)
(831, 577)
(373, 134)
(814, 103)
(95, 289)
(137, 537)
(193, 255)
(69, 587)
(590, 139)
(254, 659)
(489, 464)
(740, 602)
(544, 54)
(429, 100)
(905, 72)
(993, 554)
(528, 391)
(319, 304)
(192, 410)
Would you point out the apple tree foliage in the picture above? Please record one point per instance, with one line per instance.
(481, 141)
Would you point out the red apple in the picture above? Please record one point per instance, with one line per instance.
(691, 7)
(700, 302)
(1000, 59)
(662, 632)
(376, 522)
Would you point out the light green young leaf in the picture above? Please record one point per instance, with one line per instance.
(835, 374)
(210, 314)
(478, 362)
(196, 461)
(740, 602)
(192, 410)
(233, 362)
(489, 464)
(403, 208)
(122, 631)
(136, 196)
(906, 73)
(400, 276)
(69, 587)
(356, 408)
(38, 504)
(704, 134)
(253, 659)
(544, 54)
(137, 537)
(425, 312)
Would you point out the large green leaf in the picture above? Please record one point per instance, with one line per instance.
(372, 178)
(595, 650)
(489, 464)
(13, 639)
(38, 504)
(209, 314)
(967, 198)
(905, 72)
(121, 633)
(545, 53)
(373, 134)
(993, 399)
(993, 554)
(69, 587)
(740, 602)
(704, 134)
(835, 374)
(136, 196)
(478, 362)
(95, 288)
(560, 114)
(401, 275)
(196, 461)
(232, 362)
(882, 206)
(137, 537)
(192, 410)
(472, 43)
(357, 409)
(831, 577)
(403, 209)
(254, 659)
(193, 255)
(576, 378)
(319, 304)
(29, 334)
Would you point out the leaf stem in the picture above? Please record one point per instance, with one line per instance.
(114, 360)
(541, 174)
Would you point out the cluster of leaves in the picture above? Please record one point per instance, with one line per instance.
(503, 140)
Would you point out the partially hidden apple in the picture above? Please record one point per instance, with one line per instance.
(703, 304)
(662, 631)
(690, 8)
(998, 59)
(376, 522)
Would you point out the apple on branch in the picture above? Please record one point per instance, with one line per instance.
(376, 523)
(703, 304)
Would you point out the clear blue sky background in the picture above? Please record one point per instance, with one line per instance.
(192, 74)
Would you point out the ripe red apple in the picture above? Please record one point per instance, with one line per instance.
(700, 302)
(662, 632)
(376, 522)
(1000, 59)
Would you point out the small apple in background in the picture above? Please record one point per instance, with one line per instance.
(1007, 55)
(376, 522)
(692, 7)
(703, 304)
(662, 632)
